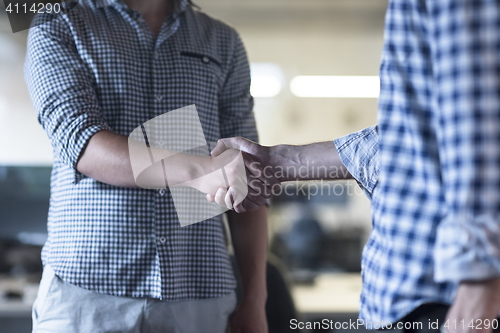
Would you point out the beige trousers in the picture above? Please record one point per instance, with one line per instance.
(64, 308)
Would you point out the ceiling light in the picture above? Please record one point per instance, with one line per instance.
(267, 79)
(336, 86)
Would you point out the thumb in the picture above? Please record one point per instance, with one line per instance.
(219, 148)
(225, 144)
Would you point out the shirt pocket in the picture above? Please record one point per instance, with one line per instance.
(201, 72)
(204, 58)
(199, 79)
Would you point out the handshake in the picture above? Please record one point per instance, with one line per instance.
(252, 173)
(239, 175)
(250, 178)
(169, 151)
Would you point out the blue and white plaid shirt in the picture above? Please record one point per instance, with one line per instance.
(436, 205)
(100, 67)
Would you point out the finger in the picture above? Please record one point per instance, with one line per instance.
(242, 191)
(239, 208)
(259, 200)
(229, 198)
(239, 190)
(255, 191)
(243, 203)
(219, 197)
(237, 196)
(249, 205)
(210, 198)
(256, 197)
(256, 186)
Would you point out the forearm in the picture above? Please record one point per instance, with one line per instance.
(316, 161)
(250, 240)
(485, 295)
(106, 158)
(475, 302)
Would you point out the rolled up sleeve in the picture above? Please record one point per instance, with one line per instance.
(465, 48)
(359, 153)
(61, 89)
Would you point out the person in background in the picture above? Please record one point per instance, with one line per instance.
(116, 259)
(433, 255)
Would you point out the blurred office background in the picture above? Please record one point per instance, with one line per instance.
(306, 56)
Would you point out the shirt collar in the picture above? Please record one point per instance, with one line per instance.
(104, 3)
(179, 4)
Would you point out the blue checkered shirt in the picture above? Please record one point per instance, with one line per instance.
(436, 195)
(100, 67)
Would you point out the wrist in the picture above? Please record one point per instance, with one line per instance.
(486, 290)
(195, 172)
(198, 166)
(476, 300)
(285, 159)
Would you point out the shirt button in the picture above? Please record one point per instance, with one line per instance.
(206, 60)
(159, 98)
(163, 239)
(162, 192)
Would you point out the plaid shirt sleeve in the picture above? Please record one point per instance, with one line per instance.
(62, 91)
(235, 101)
(359, 153)
(465, 50)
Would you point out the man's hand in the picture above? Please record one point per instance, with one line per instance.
(249, 318)
(226, 178)
(226, 170)
(261, 175)
(476, 303)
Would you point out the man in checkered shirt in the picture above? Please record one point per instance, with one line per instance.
(116, 259)
(431, 168)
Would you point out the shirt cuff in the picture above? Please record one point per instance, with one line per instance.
(359, 153)
(80, 143)
(467, 249)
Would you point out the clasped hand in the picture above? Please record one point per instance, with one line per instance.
(260, 179)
